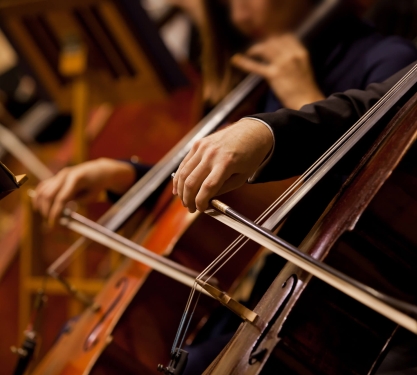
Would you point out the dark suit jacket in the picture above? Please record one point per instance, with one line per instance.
(301, 137)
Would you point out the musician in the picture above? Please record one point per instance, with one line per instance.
(255, 148)
(266, 147)
(350, 54)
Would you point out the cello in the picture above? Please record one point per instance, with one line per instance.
(99, 333)
(364, 245)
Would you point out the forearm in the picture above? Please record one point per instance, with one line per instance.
(120, 176)
(301, 137)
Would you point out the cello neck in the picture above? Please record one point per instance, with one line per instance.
(137, 195)
(116, 216)
(344, 145)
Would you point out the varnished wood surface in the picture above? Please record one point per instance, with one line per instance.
(369, 233)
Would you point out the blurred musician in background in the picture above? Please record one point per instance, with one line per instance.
(404, 12)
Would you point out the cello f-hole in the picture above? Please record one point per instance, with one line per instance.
(92, 338)
(258, 353)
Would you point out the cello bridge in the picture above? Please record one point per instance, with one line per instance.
(234, 306)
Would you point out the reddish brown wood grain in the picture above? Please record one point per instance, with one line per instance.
(368, 233)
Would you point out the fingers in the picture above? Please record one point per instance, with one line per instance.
(269, 50)
(210, 188)
(66, 193)
(84, 181)
(236, 150)
(183, 163)
(52, 195)
(198, 180)
(185, 171)
(46, 192)
(262, 57)
(261, 51)
(250, 65)
(192, 185)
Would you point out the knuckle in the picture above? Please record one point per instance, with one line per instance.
(183, 175)
(209, 184)
(64, 171)
(72, 182)
(196, 145)
(77, 175)
(189, 183)
(211, 152)
(299, 54)
(205, 144)
(229, 159)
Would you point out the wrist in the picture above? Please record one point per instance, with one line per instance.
(119, 175)
(296, 102)
(261, 133)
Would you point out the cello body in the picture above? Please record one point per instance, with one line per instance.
(367, 232)
(140, 308)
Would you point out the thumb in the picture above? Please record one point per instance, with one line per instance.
(249, 65)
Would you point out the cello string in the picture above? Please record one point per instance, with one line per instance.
(313, 171)
(352, 132)
(310, 172)
(304, 178)
(192, 293)
(184, 315)
(198, 292)
(348, 134)
(328, 153)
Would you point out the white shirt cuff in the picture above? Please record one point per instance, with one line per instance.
(268, 157)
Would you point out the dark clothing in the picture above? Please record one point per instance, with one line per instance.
(351, 55)
(325, 122)
(301, 137)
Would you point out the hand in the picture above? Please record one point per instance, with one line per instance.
(285, 64)
(221, 162)
(83, 183)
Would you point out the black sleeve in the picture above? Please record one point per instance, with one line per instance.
(140, 171)
(301, 137)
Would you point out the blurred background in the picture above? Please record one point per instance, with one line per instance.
(81, 80)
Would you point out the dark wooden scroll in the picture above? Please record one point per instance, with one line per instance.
(9, 182)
